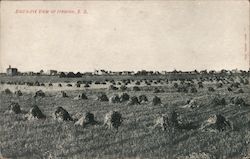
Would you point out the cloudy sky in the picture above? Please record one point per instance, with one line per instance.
(124, 35)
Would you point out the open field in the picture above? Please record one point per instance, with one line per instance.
(136, 137)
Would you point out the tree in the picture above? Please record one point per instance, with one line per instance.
(62, 75)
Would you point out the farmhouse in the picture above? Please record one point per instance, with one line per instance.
(11, 71)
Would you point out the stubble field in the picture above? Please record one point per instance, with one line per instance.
(136, 137)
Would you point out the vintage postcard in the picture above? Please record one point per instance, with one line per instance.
(132, 79)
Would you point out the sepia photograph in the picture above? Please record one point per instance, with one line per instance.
(124, 79)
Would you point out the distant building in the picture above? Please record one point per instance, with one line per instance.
(128, 73)
(11, 71)
(41, 72)
(115, 73)
(52, 72)
(164, 72)
(101, 72)
(235, 71)
(30, 73)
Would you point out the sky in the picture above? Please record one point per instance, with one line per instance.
(124, 35)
